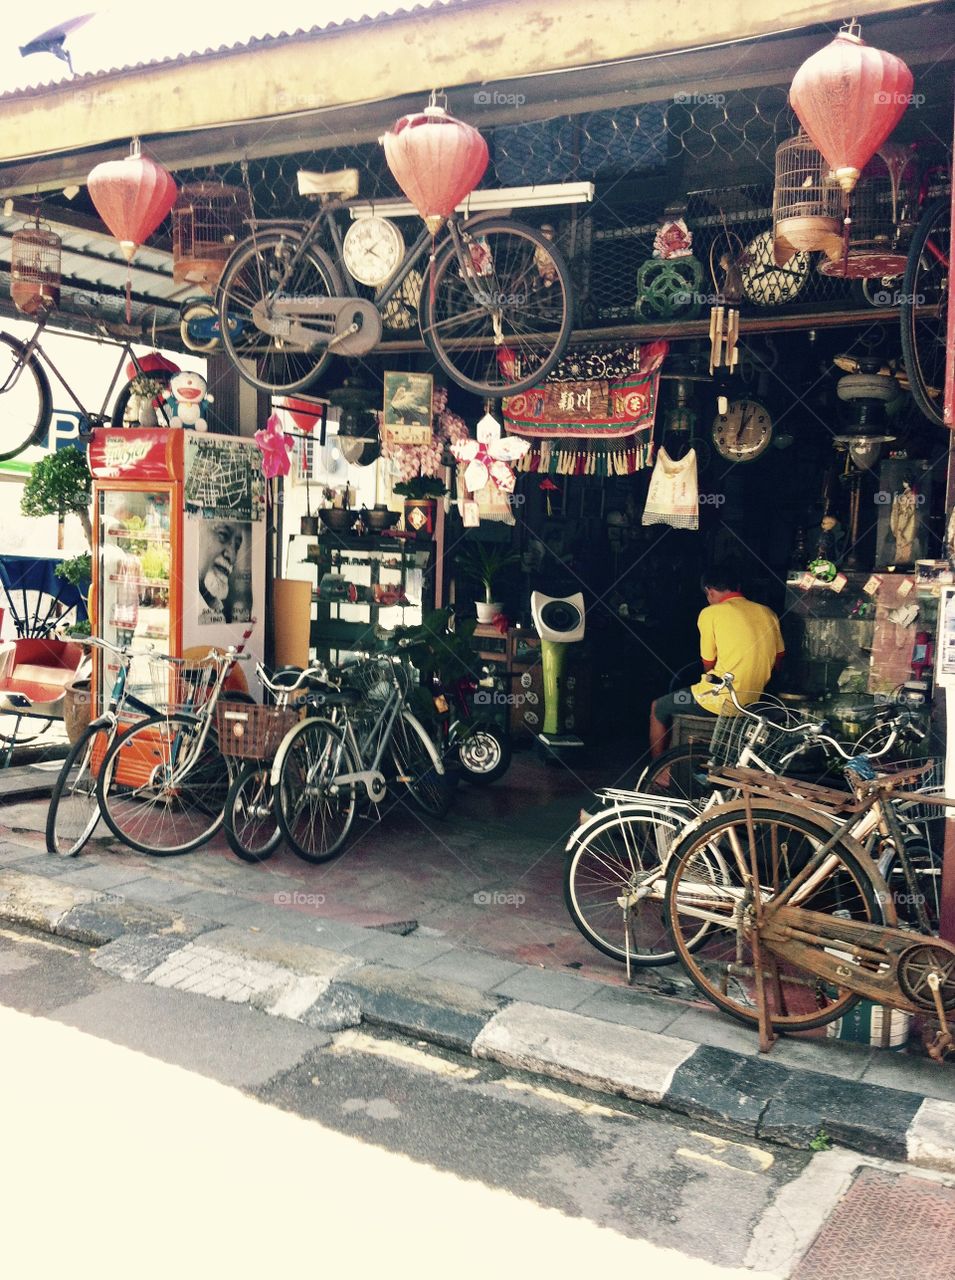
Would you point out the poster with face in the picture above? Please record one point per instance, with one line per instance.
(225, 571)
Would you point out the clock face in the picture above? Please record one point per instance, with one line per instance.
(743, 432)
(764, 282)
(372, 249)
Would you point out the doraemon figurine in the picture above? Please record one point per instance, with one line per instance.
(188, 400)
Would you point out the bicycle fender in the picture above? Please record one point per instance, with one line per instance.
(611, 816)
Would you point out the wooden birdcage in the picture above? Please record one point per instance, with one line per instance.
(807, 207)
(207, 220)
(883, 211)
(35, 269)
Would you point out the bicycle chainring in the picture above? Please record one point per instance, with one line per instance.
(915, 965)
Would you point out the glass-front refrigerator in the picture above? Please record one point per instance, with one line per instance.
(179, 536)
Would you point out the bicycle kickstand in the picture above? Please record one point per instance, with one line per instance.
(767, 1036)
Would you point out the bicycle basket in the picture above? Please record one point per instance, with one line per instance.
(740, 740)
(250, 731)
(178, 684)
(931, 783)
(374, 678)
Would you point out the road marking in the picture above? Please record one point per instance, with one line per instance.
(580, 1105)
(359, 1042)
(37, 942)
(721, 1147)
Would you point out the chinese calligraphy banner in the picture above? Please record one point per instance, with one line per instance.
(590, 409)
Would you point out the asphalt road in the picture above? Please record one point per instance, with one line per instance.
(147, 1119)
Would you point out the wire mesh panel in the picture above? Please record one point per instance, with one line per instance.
(35, 270)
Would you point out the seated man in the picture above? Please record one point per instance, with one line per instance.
(736, 635)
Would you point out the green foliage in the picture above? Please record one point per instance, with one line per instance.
(821, 1142)
(60, 485)
(484, 562)
(420, 487)
(78, 571)
(436, 649)
(80, 628)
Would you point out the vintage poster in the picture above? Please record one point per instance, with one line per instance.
(223, 479)
(224, 585)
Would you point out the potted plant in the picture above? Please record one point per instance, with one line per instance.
(420, 494)
(484, 562)
(60, 485)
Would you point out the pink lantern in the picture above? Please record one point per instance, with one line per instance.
(436, 160)
(132, 196)
(849, 97)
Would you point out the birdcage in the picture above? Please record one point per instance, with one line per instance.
(35, 269)
(883, 212)
(207, 220)
(806, 206)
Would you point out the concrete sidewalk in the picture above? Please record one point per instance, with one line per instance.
(151, 925)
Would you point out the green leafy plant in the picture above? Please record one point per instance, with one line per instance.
(80, 628)
(484, 562)
(821, 1142)
(60, 485)
(420, 487)
(78, 571)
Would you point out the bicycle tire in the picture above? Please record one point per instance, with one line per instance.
(688, 767)
(74, 811)
(250, 823)
(621, 857)
(450, 315)
(926, 284)
(705, 884)
(258, 358)
(314, 819)
(137, 804)
(484, 754)
(26, 406)
(419, 766)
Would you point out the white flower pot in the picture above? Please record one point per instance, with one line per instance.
(487, 612)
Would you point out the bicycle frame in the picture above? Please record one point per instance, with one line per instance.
(33, 347)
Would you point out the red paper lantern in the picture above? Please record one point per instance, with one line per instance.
(436, 160)
(304, 413)
(849, 97)
(132, 196)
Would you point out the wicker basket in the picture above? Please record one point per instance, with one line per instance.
(250, 731)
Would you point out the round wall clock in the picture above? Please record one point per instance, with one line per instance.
(765, 283)
(743, 432)
(372, 248)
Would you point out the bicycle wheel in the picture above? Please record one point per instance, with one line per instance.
(419, 766)
(74, 809)
(709, 883)
(256, 270)
(484, 754)
(926, 865)
(681, 773)
(250, 824)
(162, 787)
(623, 861)
(508, 337)
(25, 402)
(315, 815)
(924, 309)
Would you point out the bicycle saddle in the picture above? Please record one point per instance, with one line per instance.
(342, 183)
(328, 697)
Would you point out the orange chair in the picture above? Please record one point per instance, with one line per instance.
(35, 674)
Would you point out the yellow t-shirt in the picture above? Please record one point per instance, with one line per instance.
(742, 637)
